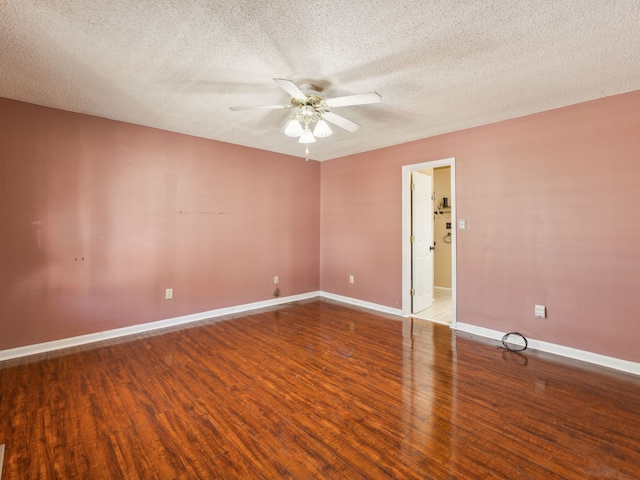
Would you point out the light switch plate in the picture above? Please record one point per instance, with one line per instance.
(462, 224)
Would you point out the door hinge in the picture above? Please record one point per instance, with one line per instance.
(412, 239)
(412, 292)
(413, 186)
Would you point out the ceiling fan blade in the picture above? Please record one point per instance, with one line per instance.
(340, 121)
(259, 107)
(359, 99)
(291, 88)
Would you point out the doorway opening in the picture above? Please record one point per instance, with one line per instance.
(440, 270)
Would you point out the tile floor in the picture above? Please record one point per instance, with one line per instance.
(441, 310)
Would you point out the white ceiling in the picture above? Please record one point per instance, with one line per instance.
(439, 65)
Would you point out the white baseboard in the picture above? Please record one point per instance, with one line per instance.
(145, 327)
(611, 362)
(1, 458)
(170, 322)
(362, 303)
(583, 355)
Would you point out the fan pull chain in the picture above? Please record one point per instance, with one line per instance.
(306, 153)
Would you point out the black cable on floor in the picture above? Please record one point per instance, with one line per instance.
(509, 346)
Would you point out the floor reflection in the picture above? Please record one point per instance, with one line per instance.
(429, 390)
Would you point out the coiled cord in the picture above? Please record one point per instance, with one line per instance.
(509, 346)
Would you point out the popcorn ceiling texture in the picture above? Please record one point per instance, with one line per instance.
(439, 66)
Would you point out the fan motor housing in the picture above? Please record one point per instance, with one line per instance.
(313, 101)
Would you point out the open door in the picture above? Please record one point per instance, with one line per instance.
(422, 244)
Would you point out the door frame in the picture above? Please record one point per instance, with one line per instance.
(406, 232)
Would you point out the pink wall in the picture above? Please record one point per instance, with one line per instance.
(98, 217)
(551, 202)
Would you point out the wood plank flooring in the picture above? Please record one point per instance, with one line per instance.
(315, 390)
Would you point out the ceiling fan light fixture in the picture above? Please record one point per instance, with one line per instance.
(307, 111)
(307, 137)
(293, 128)
(312, 108)
(322, 129)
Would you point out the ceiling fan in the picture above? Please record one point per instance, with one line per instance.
(311, 107)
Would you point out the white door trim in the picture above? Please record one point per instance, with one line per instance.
(406, 232)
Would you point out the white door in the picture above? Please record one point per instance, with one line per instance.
(422, 241)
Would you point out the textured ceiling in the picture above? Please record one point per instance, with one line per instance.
(439, 66)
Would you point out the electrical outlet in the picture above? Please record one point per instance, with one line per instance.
(276, 280)
(168, 294)
(540, 311)
(351, 279)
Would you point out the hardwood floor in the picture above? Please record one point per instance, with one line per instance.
(315, 390)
